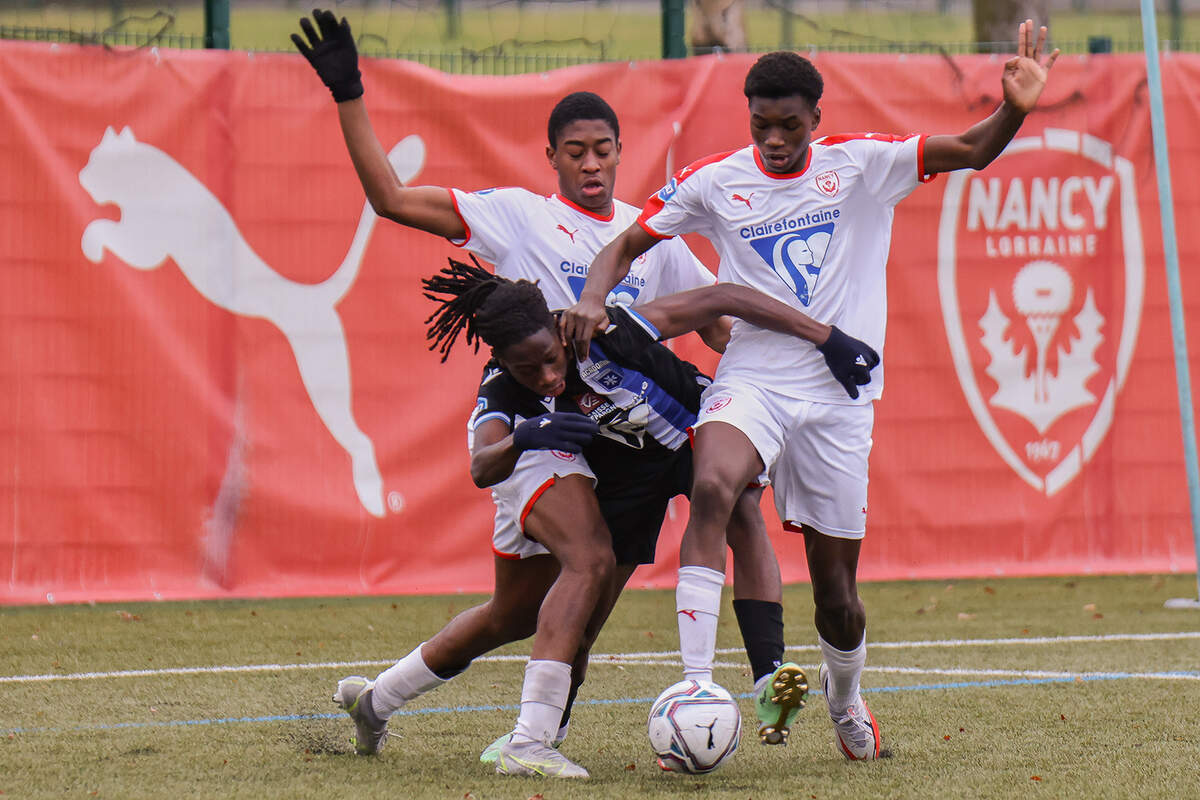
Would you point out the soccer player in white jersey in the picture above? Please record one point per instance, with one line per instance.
(550, 240)
(809, 223)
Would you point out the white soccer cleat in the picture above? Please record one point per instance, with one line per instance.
(535, 758)
(492, 751)
(855, 731)
(353, 695)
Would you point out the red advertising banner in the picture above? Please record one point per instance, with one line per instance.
(215, 380)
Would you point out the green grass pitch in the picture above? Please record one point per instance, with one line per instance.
(1056, 687)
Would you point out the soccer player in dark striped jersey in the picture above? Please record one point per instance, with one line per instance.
(628, 405)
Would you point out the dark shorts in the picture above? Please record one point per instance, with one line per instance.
(634, 494)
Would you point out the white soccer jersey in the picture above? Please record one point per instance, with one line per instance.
(816, 239)
(553, 241)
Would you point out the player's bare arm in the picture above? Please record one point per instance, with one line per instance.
(849, 359)
(608, 268)
(493, 457)
(1023, 80)
(331, 51)
(687, 311)
(716, 334)
(496, 447)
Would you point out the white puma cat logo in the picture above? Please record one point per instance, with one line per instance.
(167, 212)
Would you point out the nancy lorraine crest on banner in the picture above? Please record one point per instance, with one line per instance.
(1041, 277)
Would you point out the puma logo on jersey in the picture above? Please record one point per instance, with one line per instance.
(563, 228)
(745, 200)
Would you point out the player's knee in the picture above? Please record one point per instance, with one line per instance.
(601, 568)
(712, 494)
(747, 535)
(841, 613)
(592, 566)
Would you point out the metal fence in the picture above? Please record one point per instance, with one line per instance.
(107, 38)
(446, 34)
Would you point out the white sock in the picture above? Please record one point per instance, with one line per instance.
(562, 733)
(407, 678)
(543, 698)
(844, 669)
(698, 606)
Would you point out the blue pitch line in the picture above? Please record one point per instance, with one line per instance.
(925, 687)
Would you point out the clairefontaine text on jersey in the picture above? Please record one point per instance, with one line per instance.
(791, 224)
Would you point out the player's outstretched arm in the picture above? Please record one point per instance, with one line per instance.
(849, 359)
(716, 335)
(680, 313)
(1023, 80)
(331, 51)
(608, 268)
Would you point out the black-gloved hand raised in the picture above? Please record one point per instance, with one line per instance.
(332, 54)
(559, 430)
(850, 360)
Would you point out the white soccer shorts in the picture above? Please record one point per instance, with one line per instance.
(815, 454)
(535, 472)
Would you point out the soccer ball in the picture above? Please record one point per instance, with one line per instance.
(694, 726)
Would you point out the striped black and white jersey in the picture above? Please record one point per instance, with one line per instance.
(643, 397)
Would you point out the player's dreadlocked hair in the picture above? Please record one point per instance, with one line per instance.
(783, 74)
(577, 106)
(492, 309)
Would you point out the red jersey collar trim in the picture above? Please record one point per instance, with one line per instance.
(586, 212)
(758, 162)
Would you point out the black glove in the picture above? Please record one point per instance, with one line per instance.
(850, 360)
(332, 54)
(560, 430)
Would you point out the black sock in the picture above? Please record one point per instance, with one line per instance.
(761, 623)
(566, 715)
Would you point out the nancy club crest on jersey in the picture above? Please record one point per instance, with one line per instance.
(795, 250)
(1041, 278)
(828, 183)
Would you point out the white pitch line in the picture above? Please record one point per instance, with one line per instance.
(658, 658)
(150, 673)
(952, 643)
(1034, 674)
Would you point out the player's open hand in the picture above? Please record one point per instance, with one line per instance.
(579, 323)
(1025, 74)
(558, 430)
(332, 53)
(849, 359)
